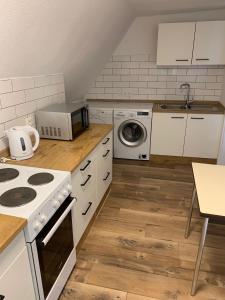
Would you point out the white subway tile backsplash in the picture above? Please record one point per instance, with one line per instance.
(5, 86)
(121, 58)
(22, 83)
(215, 71)
(36, 93)
(136, 77)
(26, 108)
(97, 90)
(103, 84)
(31, 95)
(13, 98)
(7, 114)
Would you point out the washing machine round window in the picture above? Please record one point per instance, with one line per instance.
(132, 133)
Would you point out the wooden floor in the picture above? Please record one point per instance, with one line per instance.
(136, 248)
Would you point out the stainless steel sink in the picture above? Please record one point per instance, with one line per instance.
(193, 107)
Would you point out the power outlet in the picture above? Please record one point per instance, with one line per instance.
(29, 121)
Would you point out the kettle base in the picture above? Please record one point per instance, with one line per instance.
(22, 157)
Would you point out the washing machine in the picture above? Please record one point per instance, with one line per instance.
(132, 132)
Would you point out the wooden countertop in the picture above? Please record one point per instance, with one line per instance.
(218, 107)
(58, 155)
(209, 182)
(66, 155)
(9, 228)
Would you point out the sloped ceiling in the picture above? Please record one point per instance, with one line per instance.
(75, 37)
(158, 7)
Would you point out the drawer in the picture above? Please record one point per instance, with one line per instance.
(88, 165)
(106, 143)
(104, 180)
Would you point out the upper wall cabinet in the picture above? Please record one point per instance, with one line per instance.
(209, 46)
(201, 43)
(175, 43)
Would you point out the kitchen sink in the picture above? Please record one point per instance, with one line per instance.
(193, 107)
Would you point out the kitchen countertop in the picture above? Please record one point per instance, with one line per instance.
(105, 103)
(53, 154)
(66, 155)
(10, 227)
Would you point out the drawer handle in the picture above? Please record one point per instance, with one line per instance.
(197, 118)
(182, 59)
(86, 181)
(85, 167)
(202, 59)
(107, 176)
(107, 140)
(177, 117)
(107, 152)
(86, 211)
(2, 297)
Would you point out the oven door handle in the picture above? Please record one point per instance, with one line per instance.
(57, 224)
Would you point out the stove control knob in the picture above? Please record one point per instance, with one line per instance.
(42, 219)
(60, 197)
(56, 204)
(37, 226)
(69, 187)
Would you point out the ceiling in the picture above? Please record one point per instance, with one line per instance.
(156, 7)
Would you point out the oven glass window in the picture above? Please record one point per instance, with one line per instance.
(55, 253)
(77, 122)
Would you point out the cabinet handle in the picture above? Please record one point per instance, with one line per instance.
(107, 152)
(107, 140)
(86, 211)
(197, 118)
(107, 176)
(177, 117)
(86, 181)
(2, 297)
(182, 59)
(84, 168)
(202, 59)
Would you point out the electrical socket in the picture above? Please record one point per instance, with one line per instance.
(29, 121)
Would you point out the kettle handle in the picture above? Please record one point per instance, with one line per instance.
(36, 134)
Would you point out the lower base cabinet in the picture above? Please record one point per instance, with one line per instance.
(89, 184)
(15, 273)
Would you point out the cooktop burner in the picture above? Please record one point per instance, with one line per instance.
(17, 197)
(8, 174)
(40, 178)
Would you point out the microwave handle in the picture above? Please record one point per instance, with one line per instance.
(57, 224)
(86, 117)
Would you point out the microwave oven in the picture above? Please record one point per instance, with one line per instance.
(64, 121)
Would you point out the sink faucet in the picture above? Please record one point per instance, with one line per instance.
(188, 100)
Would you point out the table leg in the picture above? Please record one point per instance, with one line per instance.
(190, 213)
(199, 256)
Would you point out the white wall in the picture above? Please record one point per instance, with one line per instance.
(141, 37)
(54, 36)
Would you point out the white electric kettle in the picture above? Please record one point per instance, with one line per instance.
(20, 144)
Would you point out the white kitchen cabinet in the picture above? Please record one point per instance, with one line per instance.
(168, 133)
(89, 183)
(191, 43)
(209, 46)
(15, 273)
(203, 134)
(175, 43)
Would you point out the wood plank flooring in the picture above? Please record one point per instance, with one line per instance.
(136, 248)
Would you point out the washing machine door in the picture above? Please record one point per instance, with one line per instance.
(132, 133)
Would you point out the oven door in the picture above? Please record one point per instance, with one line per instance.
(54, 253)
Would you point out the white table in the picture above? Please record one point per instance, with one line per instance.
(210, 191)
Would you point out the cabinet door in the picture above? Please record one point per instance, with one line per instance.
(209, 47)
(16, 283)
(175, 43)
(203, 135)
(168, 132)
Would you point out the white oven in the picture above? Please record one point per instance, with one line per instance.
(52, 253)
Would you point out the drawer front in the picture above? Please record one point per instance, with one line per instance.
(104, 179)
(83, 211)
